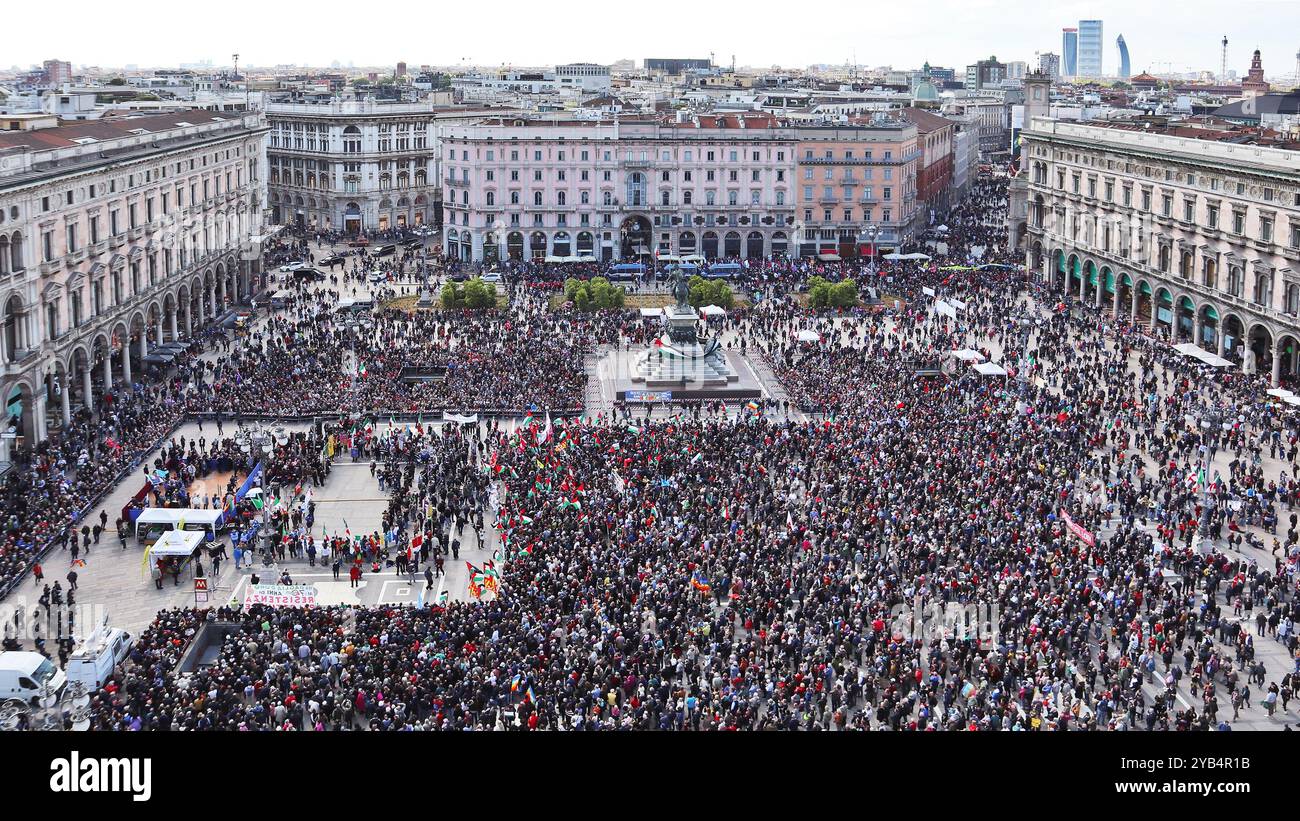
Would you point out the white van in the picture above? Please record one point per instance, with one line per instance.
(22, 674)
(95, 659)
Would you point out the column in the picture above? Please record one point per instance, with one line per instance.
(212, 296)
(1218, 335)
(108, 369)
(189, 320)
(158, 331)
(1133, 303)
(65, 399)
(126, 364)
(1101, 287)
(87, 387)
(144, 343)
(175, 310)
(1114, 302)
(1083, 283)
(39, 421)
(1277, 366)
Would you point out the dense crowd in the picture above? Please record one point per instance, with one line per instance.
(1055, 548)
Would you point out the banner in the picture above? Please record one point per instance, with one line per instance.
(1077, 529)
(647, 396)
(281, 595)
(472, 419)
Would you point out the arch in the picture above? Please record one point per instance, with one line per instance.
(780, 245)
(17, 396)
(560, 244)
(537, 244)
(515, 245)
(731, 244)
(1288, 348)
(586, 243)
(14, 319)
(710, 244)
(754, 245)
(686, 242)
(1259, 351)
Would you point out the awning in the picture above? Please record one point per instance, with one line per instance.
(176, 543)
(913, 256)
(989, 369)
(667, 258)
(1197, 352)
(1279, 393)
(651, 313)
(829, 257)
(713, 310)
(968, 355)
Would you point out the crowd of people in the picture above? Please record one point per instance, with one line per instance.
(1099, 520)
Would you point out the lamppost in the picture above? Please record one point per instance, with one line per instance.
(869, 234)
(261, 441)
(1210, 422)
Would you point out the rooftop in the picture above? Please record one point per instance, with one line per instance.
(86, 132)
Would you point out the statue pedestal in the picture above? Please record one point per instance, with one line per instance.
(679, 359)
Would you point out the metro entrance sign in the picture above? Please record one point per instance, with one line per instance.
(200, 590)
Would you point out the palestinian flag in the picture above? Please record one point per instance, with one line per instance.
(443, 597)
(663, 347)
(634, 430)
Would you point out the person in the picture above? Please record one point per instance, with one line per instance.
(38, 574)
(354, 574)
(239, 556)
(437, 565)
(157, 574)
(122, 532)
(338, 565)
(428, 578)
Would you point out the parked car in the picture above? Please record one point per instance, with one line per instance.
(359, 242)
(293, 266)
(333, 259)
(492, 277)
(386, 250)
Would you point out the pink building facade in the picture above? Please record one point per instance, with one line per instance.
(718, 186)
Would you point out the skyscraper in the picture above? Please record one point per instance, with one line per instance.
(1123, 57)
(1069, 52)
(1050, 65)
(1090, 49)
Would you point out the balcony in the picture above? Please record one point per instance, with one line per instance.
(50, 267)
(456, 183)
(117, 241)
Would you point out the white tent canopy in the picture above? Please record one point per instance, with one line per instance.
(808, 336)
(1197, 352)
(968, 355)
(194, 518)
(1292, 400)
(668, 258)
(693, 258)
(989, 369)
(176, 543)
(1280, 393)
(914, 256)
(713, 310)
(651, 313)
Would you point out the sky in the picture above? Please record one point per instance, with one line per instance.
(760, 33)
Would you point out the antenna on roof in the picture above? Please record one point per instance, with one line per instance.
(1223, 69)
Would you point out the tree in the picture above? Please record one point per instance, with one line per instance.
(477, 295)
(819, 293)
(571, 286)
(844, 294)
(117, 81)
(449, 297)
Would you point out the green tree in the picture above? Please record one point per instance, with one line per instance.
(582, 298)
(117, 81)
(571, 286)
(844, 294)
(478, 295)
(819, 293)
(449, 297)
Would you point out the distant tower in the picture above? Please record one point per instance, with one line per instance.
(1297, 69)
(1255, 82)
(1123, 57)
(1223, 69)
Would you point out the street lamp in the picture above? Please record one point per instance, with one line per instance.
(1210, 423)
(869, 234)
(261, 441)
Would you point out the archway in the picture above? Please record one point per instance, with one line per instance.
(1059, 277)
(1288, 364)
(352, 223)
(1164, 312)
(1259, 350)
(1143, 314)
(19, 418)
(710, 244)
(15, 338)
(1125, 294)
(537, 245)
(780, 244)
(635, 237)
(1209, 328)
(1075, 282)
(586, 244)
(515, 245)
(686, 244)
(731, 244)
(560, 244)
(491, 252)
(754, 245)
(1185, 320)
(1234, 333)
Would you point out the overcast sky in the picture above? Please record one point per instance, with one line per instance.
(760, 33)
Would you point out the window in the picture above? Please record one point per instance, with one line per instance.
(1212, 216)
(1265, 229)
(780, 198)
(47, 246)
(1238, 222)
(491, 199)
(1189, 210)
(560, 198)
(537, 198)
(1167, 205)
(686, 198)
(807, 192)
(514, 197)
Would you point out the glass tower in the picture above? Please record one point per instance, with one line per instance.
(1069, 52)
(1090, 49)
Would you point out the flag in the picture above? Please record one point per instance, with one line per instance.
(443, 596)
(700, 583)
(347, 531)
(545, 435)
(362, 369)
(634, 430)
(515, 682)
(529, 696)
